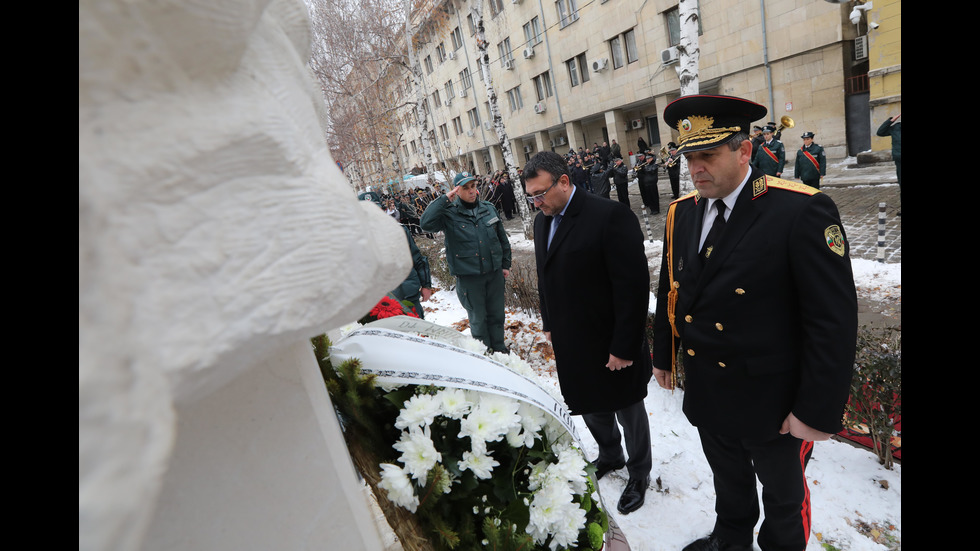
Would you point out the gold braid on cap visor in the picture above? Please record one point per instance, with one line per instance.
(697, 131)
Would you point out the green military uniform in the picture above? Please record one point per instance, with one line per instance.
(477, 251)
(811, 163)
(418, 278)
(770, 158)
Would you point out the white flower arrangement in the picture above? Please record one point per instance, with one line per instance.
(457, 444)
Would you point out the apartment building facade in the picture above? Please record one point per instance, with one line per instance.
(571, 73)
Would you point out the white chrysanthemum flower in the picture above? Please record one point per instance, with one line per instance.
(532, 420)
(419, 454)
(538, 475)
(399, 487)
(481, 464)
(548, 506)
(418, 411)
(568, 526)
(489, 420)
(473, 345)
(455, 402)
(571, 468)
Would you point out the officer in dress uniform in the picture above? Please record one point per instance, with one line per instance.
(770, 157)
(757, 293)
(811, 163)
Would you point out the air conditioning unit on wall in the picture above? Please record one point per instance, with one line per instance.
(561, 140)
(527, 149)
(600, 64)
(508, 64)
(539, 107)
(528, 52)
(669, 56)
(636, 124)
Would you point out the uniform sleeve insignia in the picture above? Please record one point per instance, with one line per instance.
(835, 239)
(758, 187)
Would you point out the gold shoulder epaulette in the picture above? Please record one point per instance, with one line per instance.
(693, 194)
(761, 185)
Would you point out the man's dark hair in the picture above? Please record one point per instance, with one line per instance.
(546, 161)
(737, 140)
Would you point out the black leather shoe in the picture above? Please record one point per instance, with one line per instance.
(712, 543)
(633, 495)
(602, 468)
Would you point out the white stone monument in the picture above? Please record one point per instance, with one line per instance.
(216, 237)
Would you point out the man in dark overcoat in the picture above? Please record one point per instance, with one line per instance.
(756, 292)
(594, 284)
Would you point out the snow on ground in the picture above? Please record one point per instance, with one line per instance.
(855, 501)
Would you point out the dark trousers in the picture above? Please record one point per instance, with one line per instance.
(636, 428)
(779, 464)
(483, 298)
(650, 195)
(813, 183)
(675, 184)
(623, 194)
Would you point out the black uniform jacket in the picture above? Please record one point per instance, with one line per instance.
(594, 286)
(768, 324)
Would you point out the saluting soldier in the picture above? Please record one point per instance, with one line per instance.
(811, 163)
(770, 157)
(756, 290)
(478, 254)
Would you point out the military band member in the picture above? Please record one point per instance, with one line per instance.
(770, 158)
(757, 293)
(811, 163)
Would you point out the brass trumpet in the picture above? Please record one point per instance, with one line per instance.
(784, 123)
(665, 158)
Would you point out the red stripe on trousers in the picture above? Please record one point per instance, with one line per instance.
(805, 448)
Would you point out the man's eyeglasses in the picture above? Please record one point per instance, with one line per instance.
(540, 197)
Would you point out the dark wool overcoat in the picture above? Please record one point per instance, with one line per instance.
(594, 286)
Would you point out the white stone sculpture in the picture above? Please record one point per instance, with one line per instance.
(216, 237)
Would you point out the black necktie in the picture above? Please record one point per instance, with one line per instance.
(714, 233)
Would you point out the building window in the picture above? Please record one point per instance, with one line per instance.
(428, 64)
(450, 91)
(572, 65)
(583, 67)
(465, 79)
(674, 25)
(474, 117)
(457, 126)
(441, 51)
(515, 99)
(444, 131)
(532, 32)
(629, 41)
(567, 12)
(616, 52)
(457, 38)
(542, 85)
(496, 6)
(504, 52)
(435, 98)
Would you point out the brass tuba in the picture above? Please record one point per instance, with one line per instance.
(785, 122)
